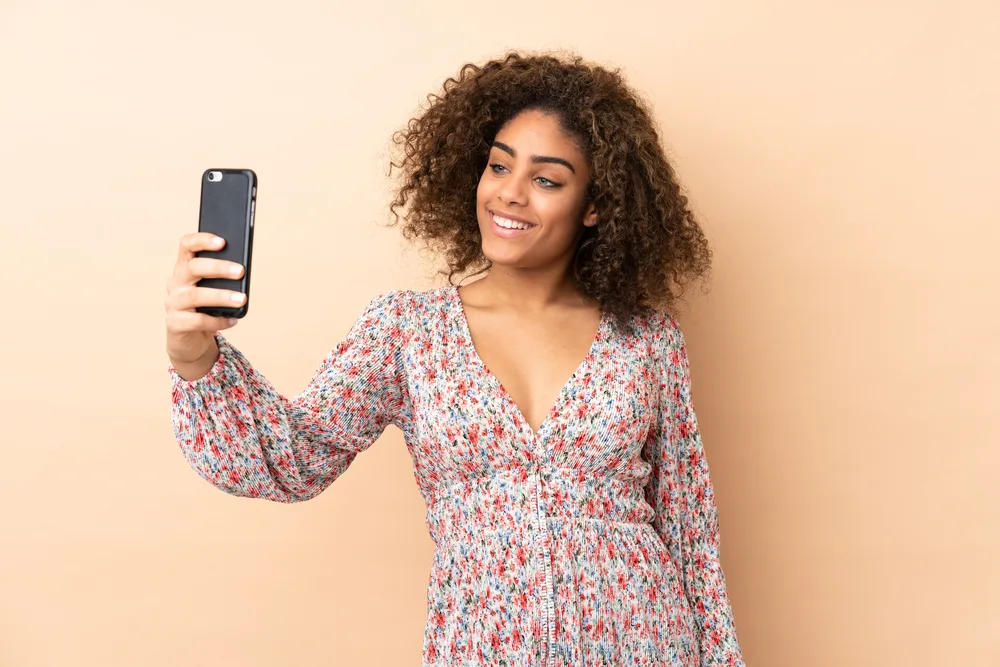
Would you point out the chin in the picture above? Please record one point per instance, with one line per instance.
(501, 256)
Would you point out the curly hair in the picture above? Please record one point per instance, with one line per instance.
(646, 245)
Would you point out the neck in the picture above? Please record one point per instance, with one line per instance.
(530, 290)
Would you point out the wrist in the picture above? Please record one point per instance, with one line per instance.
(198, 368)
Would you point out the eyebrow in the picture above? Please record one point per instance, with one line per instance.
(547, 159)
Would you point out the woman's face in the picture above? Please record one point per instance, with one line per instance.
(531, 197)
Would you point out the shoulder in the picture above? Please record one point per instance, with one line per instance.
(659, 330)
(409, 301)
(664, 340)
(408, 308)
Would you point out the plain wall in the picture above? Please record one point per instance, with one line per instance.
(842, 158)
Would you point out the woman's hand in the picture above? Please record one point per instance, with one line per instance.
(191, 335)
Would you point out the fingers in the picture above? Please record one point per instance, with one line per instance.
(191, 297)
(196, 242)
(206, 267)
(189, 330)
(192, 269)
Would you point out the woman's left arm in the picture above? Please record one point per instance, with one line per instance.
(681, 493)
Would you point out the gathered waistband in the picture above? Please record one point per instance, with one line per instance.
(524, 505)
(516, 500)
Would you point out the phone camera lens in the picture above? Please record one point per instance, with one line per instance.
(211, 176)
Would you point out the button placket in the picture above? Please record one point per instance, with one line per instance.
(543, 535)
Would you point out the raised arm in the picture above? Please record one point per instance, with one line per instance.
(245, 438)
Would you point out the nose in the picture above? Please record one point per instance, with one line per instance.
(513, 191)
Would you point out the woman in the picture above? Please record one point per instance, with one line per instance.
(546, 406)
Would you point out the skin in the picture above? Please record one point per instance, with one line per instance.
(530, 326)
(191, 342)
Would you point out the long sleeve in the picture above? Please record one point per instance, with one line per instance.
(248, 440)
(681, 493)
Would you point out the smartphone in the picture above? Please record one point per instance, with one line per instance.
(228, 202)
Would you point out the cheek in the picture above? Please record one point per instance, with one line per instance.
(562, 215)
(483, 190)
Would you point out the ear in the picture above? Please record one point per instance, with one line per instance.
(590, 216)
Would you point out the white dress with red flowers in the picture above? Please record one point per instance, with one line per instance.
(593, 541)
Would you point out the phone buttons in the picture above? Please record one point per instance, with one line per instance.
(252, 207)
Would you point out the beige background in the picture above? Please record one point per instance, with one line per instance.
(843, 159)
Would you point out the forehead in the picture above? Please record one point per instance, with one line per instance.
(539, 133)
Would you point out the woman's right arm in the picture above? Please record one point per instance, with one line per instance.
(247, 439)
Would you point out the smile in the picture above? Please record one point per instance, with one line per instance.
(508, 225)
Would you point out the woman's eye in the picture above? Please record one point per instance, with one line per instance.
(498, 168)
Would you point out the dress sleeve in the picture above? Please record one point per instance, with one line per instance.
(681, 493)
(248, 440)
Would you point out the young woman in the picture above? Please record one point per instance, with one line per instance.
(546, 406)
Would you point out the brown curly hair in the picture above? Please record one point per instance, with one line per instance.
(646, 245)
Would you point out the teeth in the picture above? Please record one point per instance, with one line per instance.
(509, 224)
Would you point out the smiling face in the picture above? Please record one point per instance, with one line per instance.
(531, 200)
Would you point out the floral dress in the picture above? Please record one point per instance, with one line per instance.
(593, 541)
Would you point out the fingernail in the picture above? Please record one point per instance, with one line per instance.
(233, 321)
(236, 270)
(237, 298)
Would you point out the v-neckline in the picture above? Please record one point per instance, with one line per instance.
(505, 396)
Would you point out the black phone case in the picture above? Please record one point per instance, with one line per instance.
(227, 210)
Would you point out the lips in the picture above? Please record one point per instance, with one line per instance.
(509, 222)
